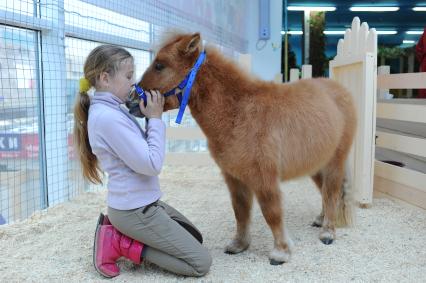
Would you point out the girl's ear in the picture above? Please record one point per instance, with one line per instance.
(104, 79)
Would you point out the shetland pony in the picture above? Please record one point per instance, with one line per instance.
(260, 133)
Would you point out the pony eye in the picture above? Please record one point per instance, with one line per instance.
(159, 66)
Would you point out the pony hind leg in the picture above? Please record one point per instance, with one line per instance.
(242, 200)
(318, 180)
(332, 195)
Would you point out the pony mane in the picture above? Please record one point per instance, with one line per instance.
(169, 37)
(230, 69)
(214, 55)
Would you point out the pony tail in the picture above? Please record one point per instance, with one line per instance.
(346, 210)
(88, 160)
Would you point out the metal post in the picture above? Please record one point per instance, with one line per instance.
(54, 103)
(285, 42)
(306, 20)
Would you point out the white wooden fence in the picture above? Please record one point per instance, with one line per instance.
(355, 67)
(189, 158)
(408, 184)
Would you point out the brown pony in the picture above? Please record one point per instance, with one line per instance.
(260, 133)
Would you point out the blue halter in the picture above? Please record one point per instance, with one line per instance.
(186, 84)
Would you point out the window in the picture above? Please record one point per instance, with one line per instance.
(88, 16)
(25, 7)
(20, 190)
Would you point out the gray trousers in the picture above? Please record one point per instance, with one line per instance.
(167, 244)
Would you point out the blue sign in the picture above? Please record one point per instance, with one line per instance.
(10, 142)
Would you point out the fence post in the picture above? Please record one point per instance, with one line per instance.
(294, 75)
(278, 78)
(306, 71)
(356, 69)
(382, 70)
(410, 69)
(245, 62)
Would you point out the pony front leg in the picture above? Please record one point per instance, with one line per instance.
(269, 198)
(242, 200)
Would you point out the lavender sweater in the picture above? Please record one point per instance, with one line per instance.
(132, 157)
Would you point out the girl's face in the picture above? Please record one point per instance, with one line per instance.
(121, 83)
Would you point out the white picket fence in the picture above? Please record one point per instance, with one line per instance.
(188, 158)
(404, 183)
(355, 67)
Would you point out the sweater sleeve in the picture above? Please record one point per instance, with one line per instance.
(144, 156)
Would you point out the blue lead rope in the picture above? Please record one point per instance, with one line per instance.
(186, 83)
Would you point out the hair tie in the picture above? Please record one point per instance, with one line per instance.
(84, 85)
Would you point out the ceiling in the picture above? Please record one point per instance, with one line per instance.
(340, 19)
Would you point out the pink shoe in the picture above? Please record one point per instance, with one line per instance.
(104, 220)
(110, 245)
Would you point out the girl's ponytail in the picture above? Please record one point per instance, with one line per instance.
(88, 160)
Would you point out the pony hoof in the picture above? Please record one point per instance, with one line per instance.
(236, 247)
(318, 221)
(275, 262)
(277, 256)
(315, 224)
(327, 237)
(327, 241)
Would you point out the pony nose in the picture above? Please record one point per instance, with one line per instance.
(133, 95)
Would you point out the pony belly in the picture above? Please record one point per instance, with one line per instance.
(301, 171)
(307, 161)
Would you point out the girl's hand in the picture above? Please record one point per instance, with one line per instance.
(154, 104)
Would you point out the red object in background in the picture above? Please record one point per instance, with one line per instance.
(421, 56)
(29, 147)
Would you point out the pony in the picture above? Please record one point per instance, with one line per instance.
(261, 133)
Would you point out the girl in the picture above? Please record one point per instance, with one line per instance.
(109, 139)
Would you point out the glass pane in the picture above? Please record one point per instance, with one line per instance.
(25, 7)
(20, 190)
(88, 16)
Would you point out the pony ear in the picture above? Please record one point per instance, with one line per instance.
(190, 44)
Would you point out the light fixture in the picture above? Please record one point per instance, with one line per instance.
(293, 32)
(341, 32)
(414, 32)
(311, 8)
(408, 42)
(373, 9)
(387, 32)
(334, 32)
(420, 9)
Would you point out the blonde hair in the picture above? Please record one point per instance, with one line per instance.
(104, 58)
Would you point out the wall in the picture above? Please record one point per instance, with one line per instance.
(266, 55)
